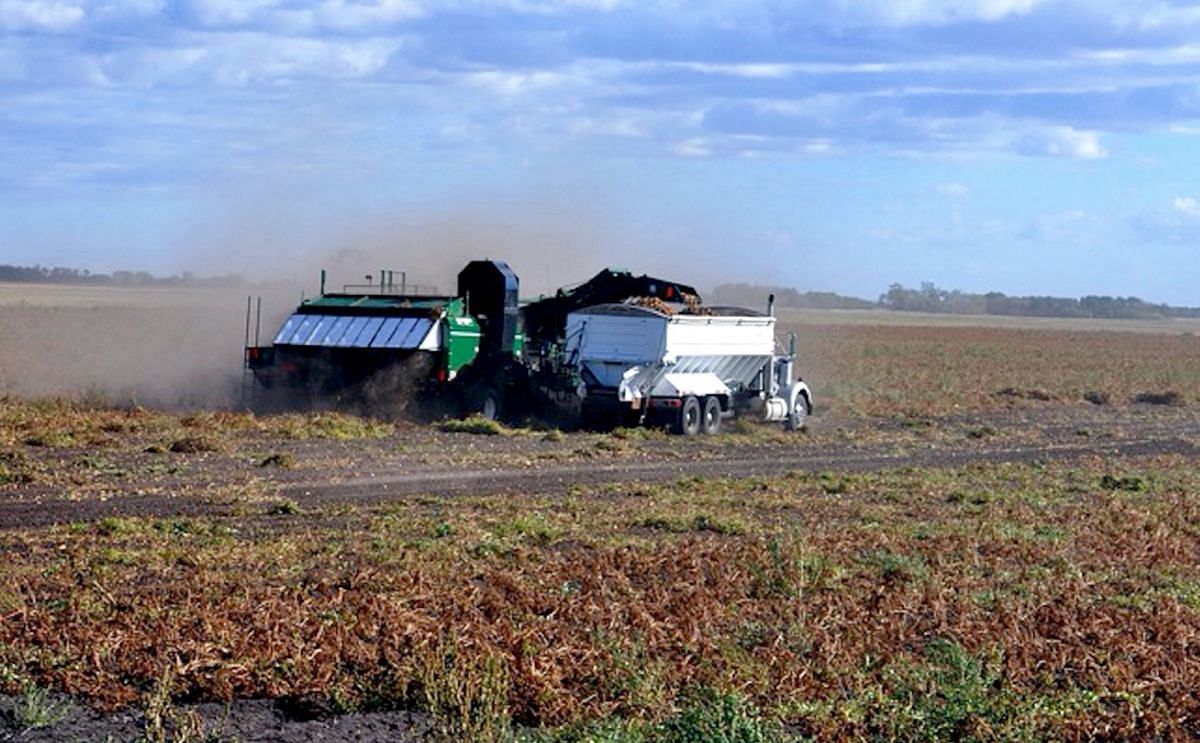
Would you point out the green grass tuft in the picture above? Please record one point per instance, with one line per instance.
(725, 717)
(475, 424)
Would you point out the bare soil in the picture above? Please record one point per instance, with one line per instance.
(420, 460)
(242, 720)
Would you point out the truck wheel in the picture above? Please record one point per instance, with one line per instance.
(710, 424)
(690, 417)
(484, 401)
(798, 416)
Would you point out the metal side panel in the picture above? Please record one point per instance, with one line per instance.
(681, 385)
(634, 339)
(304, 330)
(320, 328)
(336, 330)
(409, 333)
(417, 331)
(367, 333)
(351, 331)
(385, 332)
(720, 336)
(462, 342)
(403, 328)
(741, 369)
(433, 339)
(288, 330)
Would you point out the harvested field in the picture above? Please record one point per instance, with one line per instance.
(888, 370)
(1005, 601)
(988, 532)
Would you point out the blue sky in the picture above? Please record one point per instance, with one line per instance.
(1026, 146)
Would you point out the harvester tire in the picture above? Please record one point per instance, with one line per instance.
(710, 424)
(484, 400)
(597, 418)
(690, 416)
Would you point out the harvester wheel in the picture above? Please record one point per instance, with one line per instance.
(597, 417)
(710, 424)
(484, 401)
(690, 417)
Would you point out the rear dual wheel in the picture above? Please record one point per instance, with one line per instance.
(710, 424)
(690, 415)
(698, 417)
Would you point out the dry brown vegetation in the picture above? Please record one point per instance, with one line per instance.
(1000, 602)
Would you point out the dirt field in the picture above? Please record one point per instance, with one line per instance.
(987, 532)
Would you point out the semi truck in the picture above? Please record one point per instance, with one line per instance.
(617, 349)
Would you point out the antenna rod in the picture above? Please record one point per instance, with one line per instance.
(247, 343)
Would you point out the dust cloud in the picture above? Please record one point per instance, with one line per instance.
(175, 349)
(183, 348)
(551, 234)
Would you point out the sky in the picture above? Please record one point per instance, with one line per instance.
(1023, 146)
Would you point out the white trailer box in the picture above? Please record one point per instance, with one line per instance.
(641, 352)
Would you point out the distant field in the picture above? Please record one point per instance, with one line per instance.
(888, 370)
(889, 318)
(91, 297)
(154, 298)
(182, 347)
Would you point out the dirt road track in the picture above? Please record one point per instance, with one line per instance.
(559, 477)
(374, 480)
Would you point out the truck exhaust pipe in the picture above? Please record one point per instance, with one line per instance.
(769, 369)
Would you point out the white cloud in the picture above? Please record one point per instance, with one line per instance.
(1070, 227)
(692, 148)
(610, 126)
(40, 15)
(1063, 141)
(513, 84)
(898, 13)
(953, 190)
(938, 12)
(1186, 205)
(307, 18)
(761, 70)
(1146, 16)
(819, 147)
(348, 15)
(220, 13)
(107, 10)
(1177, 223)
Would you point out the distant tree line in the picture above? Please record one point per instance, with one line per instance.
(59, 275)
(929, 298)
(753, 295)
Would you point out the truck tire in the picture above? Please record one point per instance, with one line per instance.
(484, 400)
(710, 423)
(690, 416)
(798, 416)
